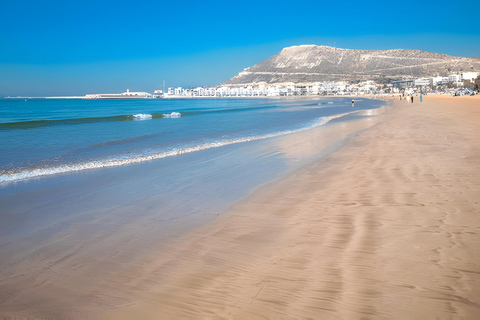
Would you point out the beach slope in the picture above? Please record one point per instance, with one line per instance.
(386, 227)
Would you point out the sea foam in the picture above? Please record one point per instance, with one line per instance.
(138, 158)
(142, 116)
(172, 115)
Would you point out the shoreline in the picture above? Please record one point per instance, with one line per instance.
(24, 174)
(329, 239)
(380, 96)
(60, 97)
(381, 228)
(73, 235)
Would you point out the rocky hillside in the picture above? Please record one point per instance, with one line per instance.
(310, 63)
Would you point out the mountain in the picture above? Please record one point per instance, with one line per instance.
(311, 63)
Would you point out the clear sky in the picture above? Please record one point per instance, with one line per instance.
(79, 47)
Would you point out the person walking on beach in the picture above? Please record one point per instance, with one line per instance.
(353, 103)
(411, 98)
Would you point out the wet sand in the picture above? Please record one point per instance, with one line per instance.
(66, 240)
(385, 227)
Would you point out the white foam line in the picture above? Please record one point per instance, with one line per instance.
(172, 115)
(142, 116)
(28, 174)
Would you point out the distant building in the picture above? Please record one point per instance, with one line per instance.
(454, 78)
(403, 84)
(439, 81)
(423, 82)
(124, 95)
(129, 94)
(469, 76)
(473, 84)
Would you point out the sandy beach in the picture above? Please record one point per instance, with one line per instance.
(387, 226)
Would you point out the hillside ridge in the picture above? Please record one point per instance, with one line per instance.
(312, 63)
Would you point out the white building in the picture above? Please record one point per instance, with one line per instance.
(438, 81)
(454, 78)
(178, 91)
(421, 82)
(469, 75)
(129, 94)
(124, 95)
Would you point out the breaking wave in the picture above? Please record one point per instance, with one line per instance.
(142, 116)
(172, 115)
(131, 159)
(32, 124)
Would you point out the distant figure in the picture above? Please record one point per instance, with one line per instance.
(411, 98)
(421, 96)
(353, 103)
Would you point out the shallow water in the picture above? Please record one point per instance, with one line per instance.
(134, 207)
(88, 226)
(42, 137)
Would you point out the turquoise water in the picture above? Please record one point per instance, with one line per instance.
(42, 137)
(76, 183)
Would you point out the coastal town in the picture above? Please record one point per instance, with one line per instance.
(467, 82)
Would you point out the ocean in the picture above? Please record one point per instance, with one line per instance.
(92, 188)
(158, 168)
(43, 137)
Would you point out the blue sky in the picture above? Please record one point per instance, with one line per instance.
(80, 47)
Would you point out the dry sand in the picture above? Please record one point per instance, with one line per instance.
(386, 227)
